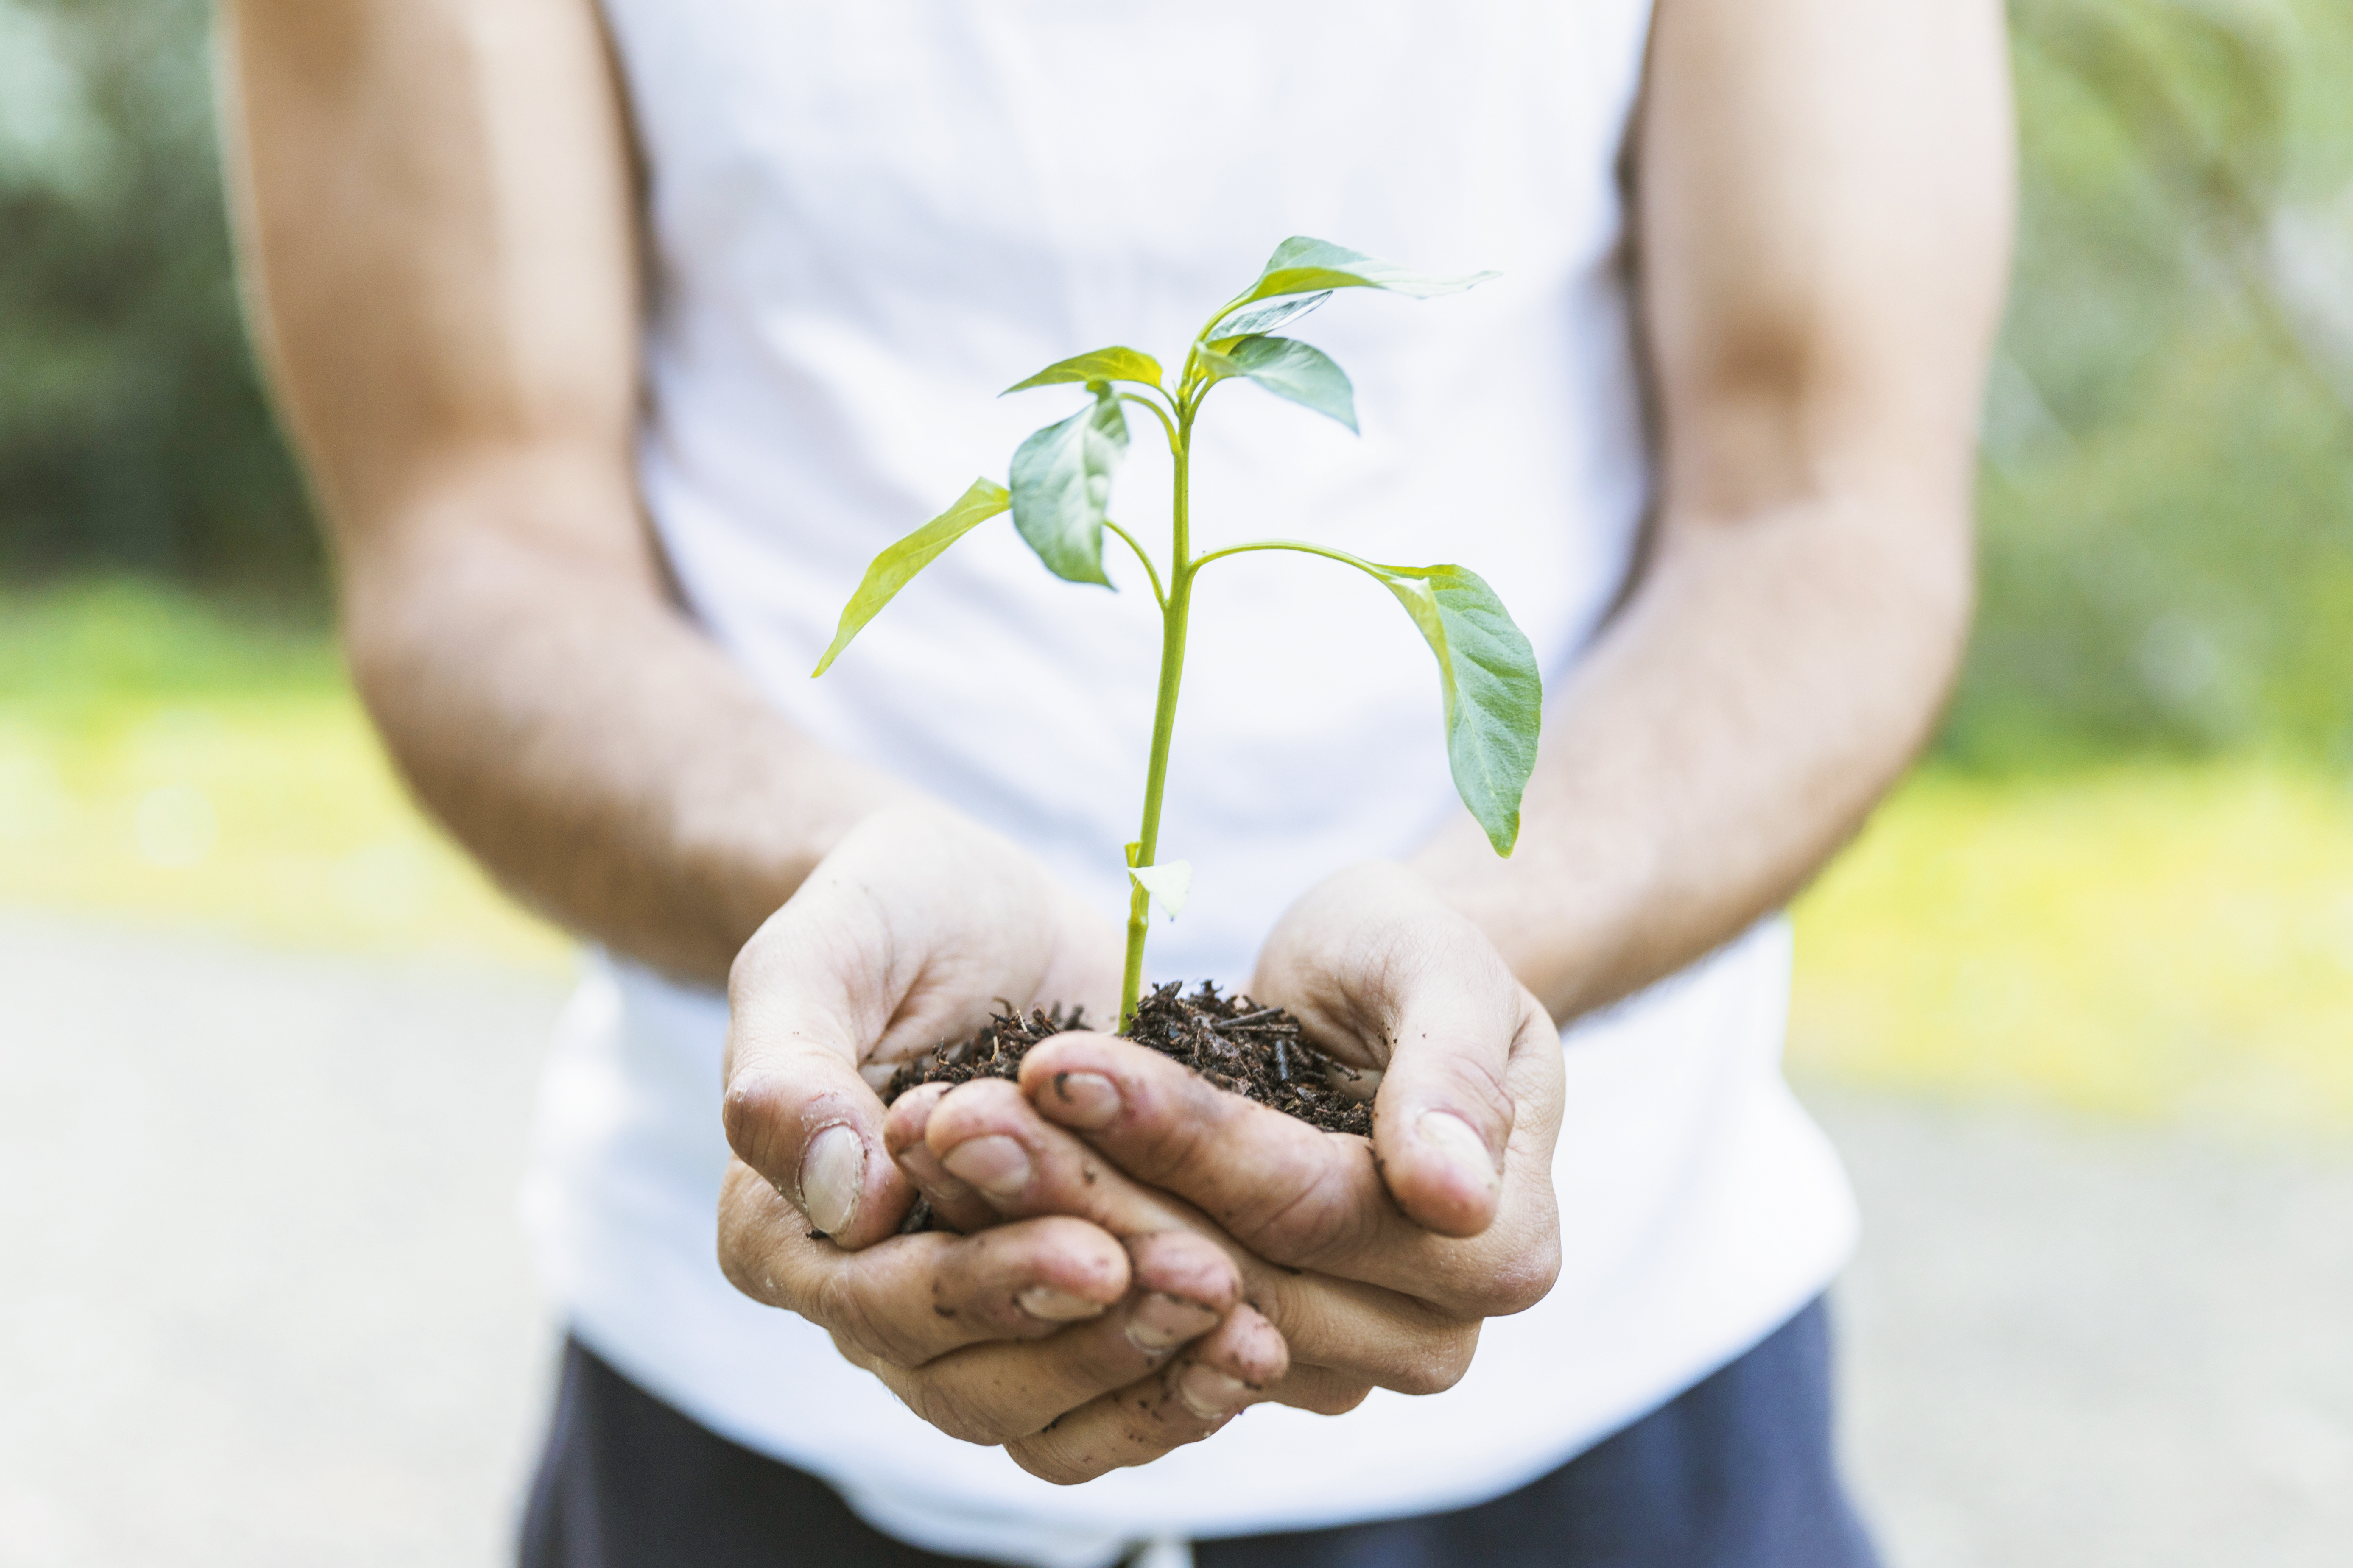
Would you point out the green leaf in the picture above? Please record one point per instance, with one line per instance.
(1288, 368)
(1062, 485)
(896, 567)
(1304, 265)
(1170, 884)
(1266, 318)
(1494, 697)
(1101, 364)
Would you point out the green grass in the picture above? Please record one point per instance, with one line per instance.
(165, 761)
(2166, 939)
(2163, 939)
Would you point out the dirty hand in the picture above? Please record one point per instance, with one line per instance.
(907, 934)
(1447, 1218)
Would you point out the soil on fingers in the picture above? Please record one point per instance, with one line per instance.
(1260, 1053)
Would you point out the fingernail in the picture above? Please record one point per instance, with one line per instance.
(930, 1174)
(1463, 1151)
(1208, 1393)
(833, 1173)
(1085, 1099)
(1160, 1322)
(995, 1163)
(1057, 1306)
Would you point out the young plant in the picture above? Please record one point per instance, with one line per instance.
(1059, 496)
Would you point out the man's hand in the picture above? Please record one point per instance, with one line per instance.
(1376, 1266)
(1391, 981)
(910, 933)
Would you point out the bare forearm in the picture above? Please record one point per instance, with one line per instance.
(1769, 680)
(1821, 203)
(439, 231)
(584, 740)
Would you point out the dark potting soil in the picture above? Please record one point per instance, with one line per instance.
(1260, 1053)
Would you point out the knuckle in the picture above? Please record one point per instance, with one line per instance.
(747, 1270)
(1325, 1215)
(1436, 1363)
(844, 1308)
(958, 1412)
(745, 969)
(1050, 1463)
(1326, 1396)
(1519, 1281)
(746, 1256)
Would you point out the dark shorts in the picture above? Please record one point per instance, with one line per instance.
(1735, 1472)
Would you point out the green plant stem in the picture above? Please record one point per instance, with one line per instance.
(1157, 412)
(1369, 568)
(1175, 611)
(1144, 559)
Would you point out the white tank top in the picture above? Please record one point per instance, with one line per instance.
(867, 220)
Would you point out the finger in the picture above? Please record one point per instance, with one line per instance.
(1281, 1188)
(913, 1298)
(1285, 1191)
(1193, 1397)
(1365, 1333)
(954, 1202)
(1320, 1391)
(1418, 1337)
(986, 1135)
(1380, 971)
(896, 942)
(802, 1002)
(1183, 1288)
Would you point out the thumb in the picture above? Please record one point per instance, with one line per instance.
(796, 1108)
(1383, 973)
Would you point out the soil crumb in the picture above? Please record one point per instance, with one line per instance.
(1260, 1053)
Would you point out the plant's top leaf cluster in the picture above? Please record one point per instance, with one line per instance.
(1304, 266)
(1059, 496)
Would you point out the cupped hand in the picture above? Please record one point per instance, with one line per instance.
(1446, 1218)
(914, 930)
(981, 1150)
(1371, 1264)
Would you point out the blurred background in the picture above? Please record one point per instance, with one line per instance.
(2078, 1004)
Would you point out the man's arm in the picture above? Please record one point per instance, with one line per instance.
(438, 222)
(438, 225)
(1823, 206)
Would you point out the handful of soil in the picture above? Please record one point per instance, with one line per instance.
(1259, 1053)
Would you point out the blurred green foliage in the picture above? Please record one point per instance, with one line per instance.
(2168, 497)
(134, 433)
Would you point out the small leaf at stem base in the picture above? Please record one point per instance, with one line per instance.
(1170, 884)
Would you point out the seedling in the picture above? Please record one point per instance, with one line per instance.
(1060, 497)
